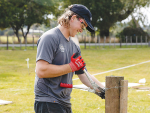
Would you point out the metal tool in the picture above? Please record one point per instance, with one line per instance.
(94, 85)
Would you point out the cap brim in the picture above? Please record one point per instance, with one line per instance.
(90, 28)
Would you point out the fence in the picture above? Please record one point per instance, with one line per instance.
(113, 42)
(11, 42)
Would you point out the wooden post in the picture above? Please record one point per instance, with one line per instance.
(25, 43)
(112, 94)
(120, 41)
(7, 42)
(123, 96)
(99, 40)
(95, 41)
(104, 41)
(33, 41)
(126, 40)
(13, 46)
(0, 42)
(84, 42)
(114, 42)
(141, 41)
(131, 41)
(20, 43)
(136, 41)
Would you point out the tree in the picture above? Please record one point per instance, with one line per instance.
(134, 32)
(106, 13)
(3, 18)
(24, 13)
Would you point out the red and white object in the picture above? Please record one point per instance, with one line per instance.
(77, 62)
(66, 85)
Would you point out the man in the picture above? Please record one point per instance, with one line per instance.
(58, 58)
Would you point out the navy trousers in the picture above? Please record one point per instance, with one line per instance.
(47, 107)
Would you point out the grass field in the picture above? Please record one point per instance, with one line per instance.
(17, 85)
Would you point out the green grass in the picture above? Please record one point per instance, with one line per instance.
(114, 46)
(17, 85)
(23, 48)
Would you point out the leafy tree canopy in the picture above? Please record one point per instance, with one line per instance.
(106, 13)
(20, 13)
(136, 34)
(130, 31)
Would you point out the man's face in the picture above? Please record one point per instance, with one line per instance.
(77, 25)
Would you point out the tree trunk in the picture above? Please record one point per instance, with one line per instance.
(104, 32)
(92, 36)
(25, 34)
(16, 31)
(135, 21)
(17, 34)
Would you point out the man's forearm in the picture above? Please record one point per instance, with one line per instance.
(86, 81)
(97, 82)
(46, 70)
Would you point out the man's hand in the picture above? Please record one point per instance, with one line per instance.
(101, 94)
(77, 62)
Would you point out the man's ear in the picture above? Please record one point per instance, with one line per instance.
(73, 17)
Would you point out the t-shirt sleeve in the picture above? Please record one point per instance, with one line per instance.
(46, 48)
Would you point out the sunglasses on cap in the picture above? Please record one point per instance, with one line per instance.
(83, 26)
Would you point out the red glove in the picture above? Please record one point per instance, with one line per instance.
(76, 63)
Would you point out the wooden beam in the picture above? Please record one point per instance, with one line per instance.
(112, 94)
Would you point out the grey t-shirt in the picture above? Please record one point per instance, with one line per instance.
(54, 48)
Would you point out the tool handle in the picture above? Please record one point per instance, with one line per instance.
(66, 85)
(95, 86)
